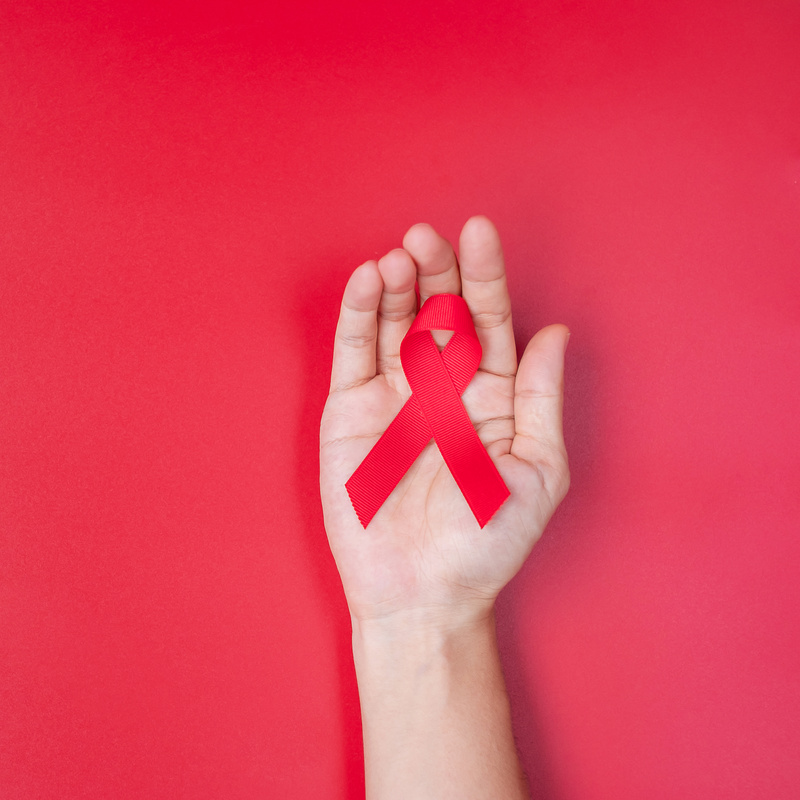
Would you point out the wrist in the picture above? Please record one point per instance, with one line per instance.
(432, 695)
(397, 648)
(420, 623)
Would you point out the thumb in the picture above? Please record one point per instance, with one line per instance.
(538, 403)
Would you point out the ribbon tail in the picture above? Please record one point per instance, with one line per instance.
(479, 481)
(391, 457)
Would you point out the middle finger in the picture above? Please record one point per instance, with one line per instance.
(437, 267)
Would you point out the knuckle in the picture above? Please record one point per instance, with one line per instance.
(491, 319)
(394, 314)
(534, 393)
(356, 340)
(389, 362)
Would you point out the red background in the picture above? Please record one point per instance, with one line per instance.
(184, 192)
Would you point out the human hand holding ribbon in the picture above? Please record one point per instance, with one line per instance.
(454, 460)
(437, 381)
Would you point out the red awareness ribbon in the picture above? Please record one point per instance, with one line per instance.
(434, 410)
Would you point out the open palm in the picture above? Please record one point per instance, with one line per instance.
(424, 553)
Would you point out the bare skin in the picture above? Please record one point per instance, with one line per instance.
(422, 580)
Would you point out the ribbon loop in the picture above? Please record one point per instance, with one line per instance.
(434, 410)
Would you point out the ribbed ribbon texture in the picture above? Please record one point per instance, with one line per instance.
(434, 410)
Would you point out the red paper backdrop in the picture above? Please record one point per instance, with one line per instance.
(183, 193)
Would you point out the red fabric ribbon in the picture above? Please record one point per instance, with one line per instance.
(437, 381)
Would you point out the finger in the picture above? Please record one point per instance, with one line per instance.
(538, 403)
(484, 287)
(397, 308)
(356, 333)
(437, 268)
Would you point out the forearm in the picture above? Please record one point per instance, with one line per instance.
(435, 712)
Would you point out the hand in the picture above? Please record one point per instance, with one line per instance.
(423, 555)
